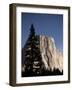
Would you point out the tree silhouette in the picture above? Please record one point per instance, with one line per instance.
(31, 55)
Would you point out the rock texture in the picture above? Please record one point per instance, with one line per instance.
(52, 58)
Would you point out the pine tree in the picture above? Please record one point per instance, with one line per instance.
(32, 56)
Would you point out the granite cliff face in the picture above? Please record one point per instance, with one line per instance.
(52, 58)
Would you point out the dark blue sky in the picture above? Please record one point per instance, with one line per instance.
(50, 25)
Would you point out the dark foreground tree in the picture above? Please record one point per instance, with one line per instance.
(31, 56)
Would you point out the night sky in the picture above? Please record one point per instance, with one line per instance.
(50, 25)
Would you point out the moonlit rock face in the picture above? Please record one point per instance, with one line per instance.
(52, 58)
